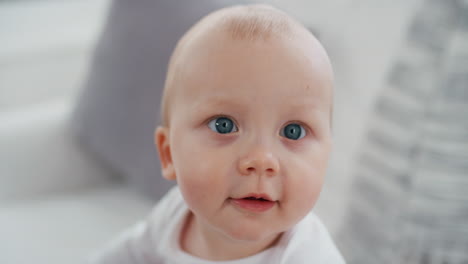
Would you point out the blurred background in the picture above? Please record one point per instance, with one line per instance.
(78, 105)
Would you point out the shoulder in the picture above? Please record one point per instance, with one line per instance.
(310, 242)
(164, 217)
(170, 205)
(137, 244)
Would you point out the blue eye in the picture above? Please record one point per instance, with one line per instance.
(222, 125)
(293, 131)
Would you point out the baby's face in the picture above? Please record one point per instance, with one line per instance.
(250, 119)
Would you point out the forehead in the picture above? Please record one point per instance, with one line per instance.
(267, 71)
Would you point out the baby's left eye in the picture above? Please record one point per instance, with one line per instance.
(293, 131)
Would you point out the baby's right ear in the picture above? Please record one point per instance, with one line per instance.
(161, 139)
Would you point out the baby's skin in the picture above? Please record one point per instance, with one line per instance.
(247, 129)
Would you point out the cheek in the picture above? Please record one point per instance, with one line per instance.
(303, 185)
(307, 191)
(200, 174)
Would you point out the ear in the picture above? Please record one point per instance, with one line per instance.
(161, 139)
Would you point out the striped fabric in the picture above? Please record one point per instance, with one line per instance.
(409, 198)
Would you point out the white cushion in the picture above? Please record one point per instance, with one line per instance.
(68, 228)
(39, 155)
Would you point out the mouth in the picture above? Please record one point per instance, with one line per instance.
(256, 203)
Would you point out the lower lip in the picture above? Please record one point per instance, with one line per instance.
(256, 206)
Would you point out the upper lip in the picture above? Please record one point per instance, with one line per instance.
(257, 196)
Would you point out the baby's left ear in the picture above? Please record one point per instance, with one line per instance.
(161, 139)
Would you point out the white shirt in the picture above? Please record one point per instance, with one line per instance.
(156, 241)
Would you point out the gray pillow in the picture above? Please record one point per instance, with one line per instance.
(409, 201)
(119, 107)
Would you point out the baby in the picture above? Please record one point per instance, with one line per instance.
(246, 134)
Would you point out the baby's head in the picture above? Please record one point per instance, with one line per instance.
(247, 114)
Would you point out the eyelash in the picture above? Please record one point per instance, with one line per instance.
(306, 127)
(219, 116)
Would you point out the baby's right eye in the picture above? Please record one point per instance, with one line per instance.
(222, 125)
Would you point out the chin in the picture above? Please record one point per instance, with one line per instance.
(249, 233)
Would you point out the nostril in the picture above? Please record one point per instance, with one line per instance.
(268, 171)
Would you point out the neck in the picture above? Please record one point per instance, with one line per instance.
(202, 241)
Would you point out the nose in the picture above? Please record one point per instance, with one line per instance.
(259, 161)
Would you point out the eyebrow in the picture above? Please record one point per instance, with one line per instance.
(216, 101)
(305, 105)
(219, 102)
